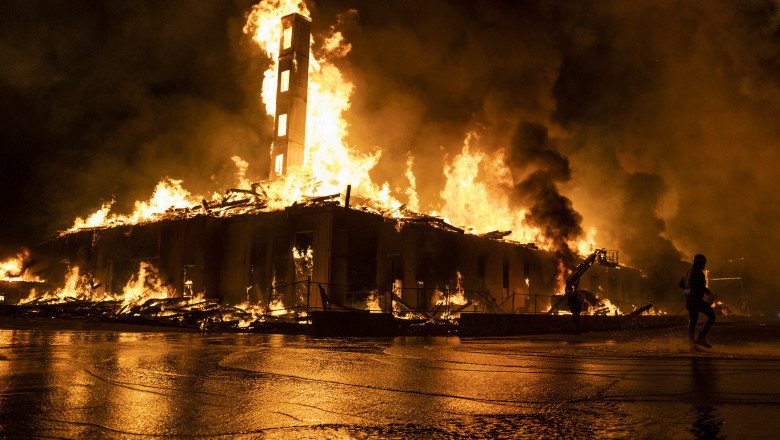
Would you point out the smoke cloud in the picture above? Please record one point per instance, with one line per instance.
(544, 168)
(101, 101)
(664, 111)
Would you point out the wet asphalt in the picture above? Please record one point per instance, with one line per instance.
(630, 384)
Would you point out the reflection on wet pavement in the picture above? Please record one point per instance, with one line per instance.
(125, 385)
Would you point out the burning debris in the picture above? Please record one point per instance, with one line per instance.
(144, 300)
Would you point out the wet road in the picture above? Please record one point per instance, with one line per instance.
(600, 385)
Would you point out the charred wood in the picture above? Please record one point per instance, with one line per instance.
(495, 235)
(641, 310)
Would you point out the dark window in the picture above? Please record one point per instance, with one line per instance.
(506, 274)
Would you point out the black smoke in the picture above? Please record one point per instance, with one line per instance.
(539, 168)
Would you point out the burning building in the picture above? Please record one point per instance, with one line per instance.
(336, 251)
(320, 252)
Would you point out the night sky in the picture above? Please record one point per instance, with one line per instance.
(657, 122)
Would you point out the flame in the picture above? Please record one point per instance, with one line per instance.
(145, 284)
(476, 194)
(328, 159)
(587, 245)
(168, 196)
(263, 25)
(722, 308)
(477, 184)
(450, 299)
(560, 279)
(372, 302)
(612, 309)
(241, 167)
(276, 307)
(75, 286)
(14, 269)
(304, 268)
(413, 203)
(98, 218)
(254, 310)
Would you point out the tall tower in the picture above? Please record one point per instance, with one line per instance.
(287, 151)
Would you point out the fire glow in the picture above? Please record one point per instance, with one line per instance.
(14, 269)
(475, 194)
(144, 296)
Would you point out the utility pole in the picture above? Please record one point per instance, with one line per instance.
(743, 297)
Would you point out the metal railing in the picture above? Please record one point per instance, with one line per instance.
(300, 296)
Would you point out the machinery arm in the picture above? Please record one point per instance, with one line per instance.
(599, 255)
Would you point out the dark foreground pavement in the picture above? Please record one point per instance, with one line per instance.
(630, 384)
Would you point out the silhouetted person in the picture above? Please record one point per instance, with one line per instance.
(574, 302)
(694, 283)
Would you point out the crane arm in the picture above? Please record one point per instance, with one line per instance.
(599, 255)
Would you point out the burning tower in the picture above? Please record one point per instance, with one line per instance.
(292, 86)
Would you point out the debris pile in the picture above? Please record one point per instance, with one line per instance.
(198, 313)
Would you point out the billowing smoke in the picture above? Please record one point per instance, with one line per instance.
(102, 100)
(538, 169)
(663, 109)
(642, 235)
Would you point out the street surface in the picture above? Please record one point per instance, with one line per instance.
(630, 384)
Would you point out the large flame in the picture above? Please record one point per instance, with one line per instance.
(475, 194)
(168, 196)
(15, 268)
(328, 159)
(263, 25)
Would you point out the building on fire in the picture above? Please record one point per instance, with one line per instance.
(323, 253)
(353, 255)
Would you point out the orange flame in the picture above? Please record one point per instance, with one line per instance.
(13, 269)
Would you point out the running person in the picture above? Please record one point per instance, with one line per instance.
(697, 299)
